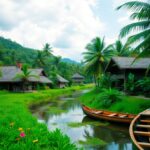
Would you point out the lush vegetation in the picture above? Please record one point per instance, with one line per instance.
(96, 57)
(115, 101)
(138, 87)
(12, 52)
(19, 129)
(140, 28)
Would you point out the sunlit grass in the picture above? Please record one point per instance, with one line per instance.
(15, 114)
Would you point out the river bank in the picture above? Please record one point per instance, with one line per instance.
(126, 103)
(20, 130)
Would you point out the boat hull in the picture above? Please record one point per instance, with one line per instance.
(108, 116)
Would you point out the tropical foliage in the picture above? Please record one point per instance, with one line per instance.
(109, 97)
(122, 49)
(105, 81)
(130, 83)
(143, 86)
(141, 26)
(25, 75)
(96, 57)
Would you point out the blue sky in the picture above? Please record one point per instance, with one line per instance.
(68, 25)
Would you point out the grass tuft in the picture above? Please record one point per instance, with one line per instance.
(93, 142)
(80, 124)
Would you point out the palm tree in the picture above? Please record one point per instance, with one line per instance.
(141, 12)
(39, 60)
(25, 75)
(96, 57)
(47, 49)
(122, 49)
(57, 61)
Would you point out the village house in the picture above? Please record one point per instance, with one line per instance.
(8, 80)
(61, 82)
(120, 68)
(77, 78)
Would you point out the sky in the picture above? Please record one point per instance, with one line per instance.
(68, 25)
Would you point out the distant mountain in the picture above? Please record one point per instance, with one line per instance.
(68, 60)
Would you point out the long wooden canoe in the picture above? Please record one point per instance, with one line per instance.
(108, 115)
(140, 130)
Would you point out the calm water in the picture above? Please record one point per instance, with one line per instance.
(116, 136)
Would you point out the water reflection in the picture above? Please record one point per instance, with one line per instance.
(116, 136)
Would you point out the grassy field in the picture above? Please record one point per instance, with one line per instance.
(19, 130)
(129, 104)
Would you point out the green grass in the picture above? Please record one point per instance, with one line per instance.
(56, 110)
(93, 142)
(128, 104)
(15, 114)
(80, 124)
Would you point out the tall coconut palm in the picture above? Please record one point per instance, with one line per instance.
(122, 49)
(96, 57)
(25, 75)
(141, 12)
(47, 49)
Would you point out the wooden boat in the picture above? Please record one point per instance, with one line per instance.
(108, 115)
(140, 130)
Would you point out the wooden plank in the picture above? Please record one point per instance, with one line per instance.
(145, 121)
(97, 112)
(143, 144)
(112, 115)
(123, 116)
(142, 133)
(143, 126)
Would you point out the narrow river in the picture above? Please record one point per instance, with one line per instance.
(67, 115)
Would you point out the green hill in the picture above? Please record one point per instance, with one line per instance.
(11, 52)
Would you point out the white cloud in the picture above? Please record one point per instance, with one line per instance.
(35, 22)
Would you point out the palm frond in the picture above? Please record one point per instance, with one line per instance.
(134, 27)
(145, 44)
(134, 5)
(142, 15)
(138, 37)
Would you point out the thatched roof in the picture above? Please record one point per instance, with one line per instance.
(9, 73)
(77, 76)
(129, 63)
(61, 79)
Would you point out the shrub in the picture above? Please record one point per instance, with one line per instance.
(105, 81)
(130, 84)
(144, 86)
(107, 97)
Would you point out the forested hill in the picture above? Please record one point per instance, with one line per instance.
(9, 44)
(11, 52)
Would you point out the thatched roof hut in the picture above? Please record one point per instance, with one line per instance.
(121, 67)
(62, 82)
(78, 78)
(9, 80)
